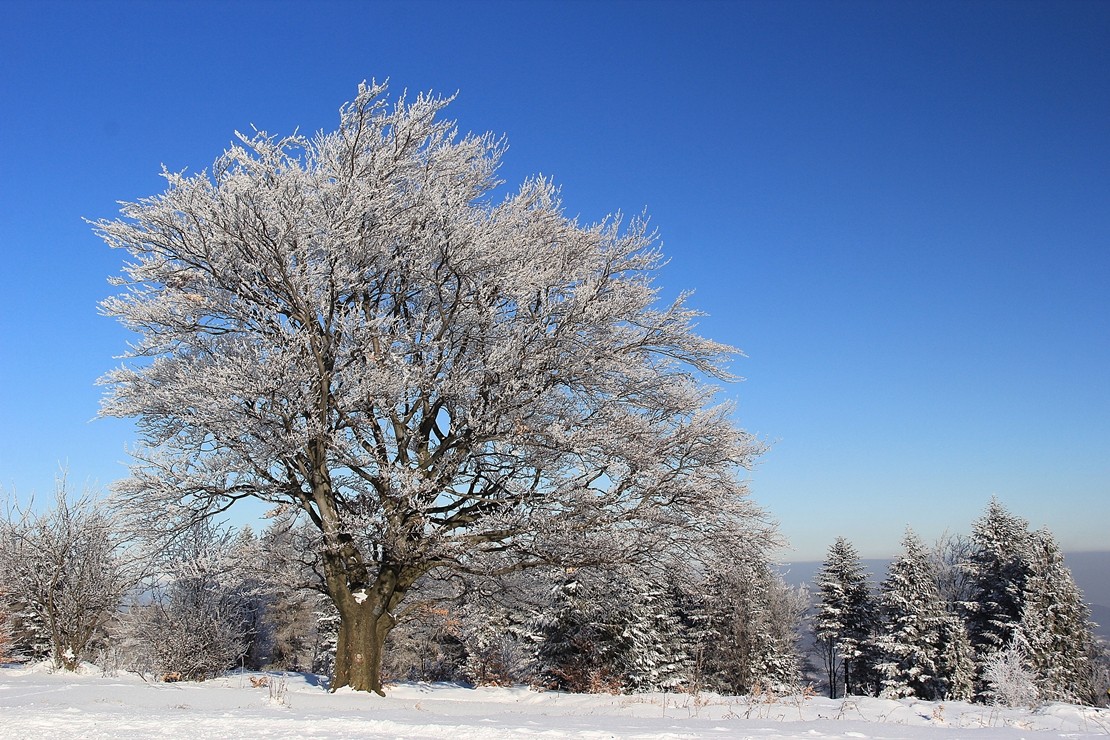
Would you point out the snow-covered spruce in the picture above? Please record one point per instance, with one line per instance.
(1026, 612)
(845, 620)
(918, 643)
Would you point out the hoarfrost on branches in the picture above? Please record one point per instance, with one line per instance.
(1009, 680)
(195, 621)
(63, 575)
(349, 324)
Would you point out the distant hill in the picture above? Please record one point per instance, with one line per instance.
(1091, 571)
(1100, 615)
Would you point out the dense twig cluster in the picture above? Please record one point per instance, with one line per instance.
(350, 325)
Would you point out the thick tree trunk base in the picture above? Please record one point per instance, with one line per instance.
(361, 645)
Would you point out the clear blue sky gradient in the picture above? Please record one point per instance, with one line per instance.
(899, 211)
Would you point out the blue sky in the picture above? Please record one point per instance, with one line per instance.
(899, 211)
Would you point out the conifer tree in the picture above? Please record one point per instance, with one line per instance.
(913, 615)
(609, 629)
(844, 617)
(956, 662)
(577, 646)
(657, 657)
(1055, 625)
(998, 566)
(497, 649)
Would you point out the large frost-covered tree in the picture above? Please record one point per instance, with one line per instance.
(351, 324)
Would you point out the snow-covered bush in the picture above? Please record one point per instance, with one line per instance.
(196, 620)
(62, 577)
(1009, 680)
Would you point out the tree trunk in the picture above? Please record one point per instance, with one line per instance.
(363, 629)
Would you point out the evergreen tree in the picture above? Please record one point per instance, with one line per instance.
(949, 559)
(496, 613)
(845, 616)
(914, 618)
(327, 637)
(1025, 603)
(656, 658)
(255, 597)
(495, 643)
(612, 629)
(956, 663)
(578, 648)
(998, 567)
(779, 661)
(426, 644)
(1055, 626)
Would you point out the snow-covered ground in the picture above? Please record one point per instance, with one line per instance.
(36, 703)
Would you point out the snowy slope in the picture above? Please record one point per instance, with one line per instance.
(37, 703)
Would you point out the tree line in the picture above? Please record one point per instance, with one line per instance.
(993, 617)
(76, 585)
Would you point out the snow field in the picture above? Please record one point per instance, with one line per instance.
(37, 703)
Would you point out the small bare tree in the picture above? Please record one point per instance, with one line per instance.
(1010, 681)
(62, 574)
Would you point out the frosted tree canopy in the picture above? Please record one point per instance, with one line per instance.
(352, 326)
